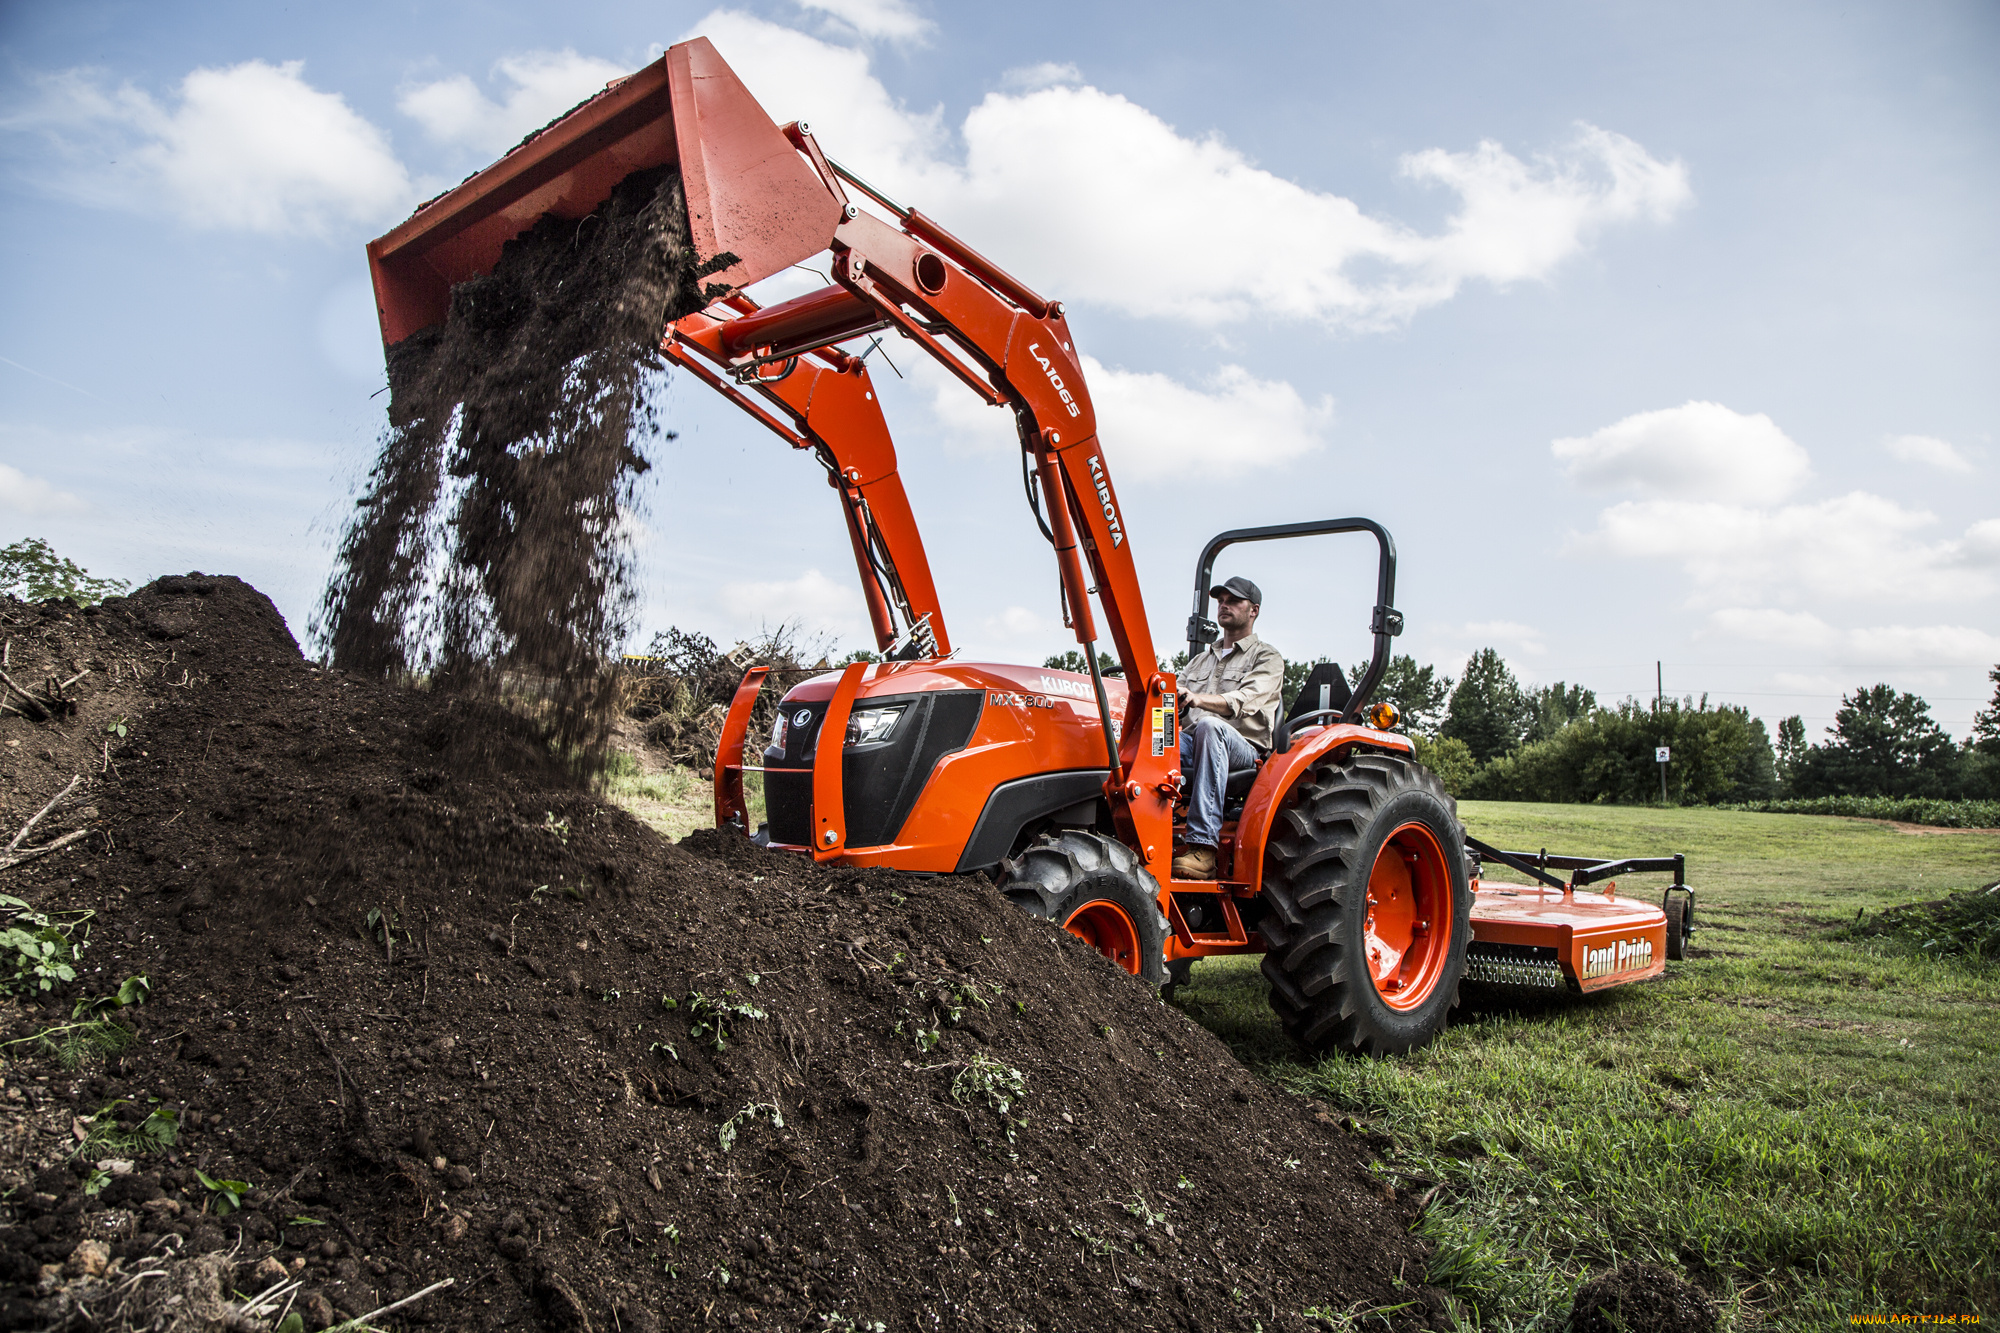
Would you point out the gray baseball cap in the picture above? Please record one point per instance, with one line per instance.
(1238, 587)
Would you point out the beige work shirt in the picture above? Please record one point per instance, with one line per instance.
(1251, 680)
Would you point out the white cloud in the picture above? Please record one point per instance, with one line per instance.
(1234, 423)
(1761, 624)
(885, 20)
(1519, 222)
(1924, 644)
(795, 76)
(1155, 223)
(1505, 633)
(1229, 425)
(1141, 201)
(1046, 74)
(1018, 623)
(250, 147)
(1852, 547)
(1930, 452)
(1981, 547)
(31, 497)
(812, 601)
(1699, 450)
(1873, 645)
(541, 85)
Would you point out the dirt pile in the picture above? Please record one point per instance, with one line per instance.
(488, 540)
(465, 1021)
(1641, 1298)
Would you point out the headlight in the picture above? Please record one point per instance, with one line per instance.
(865, 726)
(778, 731)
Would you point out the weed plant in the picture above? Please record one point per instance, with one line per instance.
(39, 952)
(1800, 1118)
(1965, 925)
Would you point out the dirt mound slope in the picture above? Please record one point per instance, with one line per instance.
(452, 1017)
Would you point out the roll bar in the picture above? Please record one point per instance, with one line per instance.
(1385, 623)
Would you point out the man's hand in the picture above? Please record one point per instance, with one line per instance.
(1209, 703)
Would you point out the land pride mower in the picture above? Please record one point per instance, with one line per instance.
(1343, 861)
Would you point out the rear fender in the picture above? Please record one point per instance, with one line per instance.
(1282, 772)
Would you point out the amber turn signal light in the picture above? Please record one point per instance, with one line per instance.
(1383, 716)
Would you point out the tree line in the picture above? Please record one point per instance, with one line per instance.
(1489, 737)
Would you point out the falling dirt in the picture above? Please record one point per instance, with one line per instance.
(487, 550)
(464, 1021)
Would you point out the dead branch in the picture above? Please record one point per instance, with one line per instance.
(8, 860)
(12, 855)
(41, 709)
(36, 818)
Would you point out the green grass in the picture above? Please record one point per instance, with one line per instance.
(676, 801)
(1804, 1123)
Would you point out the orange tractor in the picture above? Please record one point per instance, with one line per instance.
(1343, 861)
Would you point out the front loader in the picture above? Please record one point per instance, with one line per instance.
(1343, 862)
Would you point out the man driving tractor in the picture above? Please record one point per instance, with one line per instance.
(1230, 697)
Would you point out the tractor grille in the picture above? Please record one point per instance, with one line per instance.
(880, 782)
(1528, 966)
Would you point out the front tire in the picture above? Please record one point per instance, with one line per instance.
(1098, 890)
(1369, 907)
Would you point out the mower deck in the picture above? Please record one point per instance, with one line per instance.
(1539, 937)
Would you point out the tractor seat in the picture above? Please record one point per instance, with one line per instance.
(1323, 692)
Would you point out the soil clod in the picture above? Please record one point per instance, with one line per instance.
(1641, 1298)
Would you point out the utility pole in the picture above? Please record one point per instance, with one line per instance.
(1661, 753)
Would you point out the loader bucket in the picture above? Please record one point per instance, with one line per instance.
(755, 206)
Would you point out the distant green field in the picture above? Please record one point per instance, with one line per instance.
(1805, 1125)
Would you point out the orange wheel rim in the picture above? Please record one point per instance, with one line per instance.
(1407, 932)
(1105, 928)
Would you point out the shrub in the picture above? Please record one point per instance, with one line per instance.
(681, 688)
(1719, 753)
(1449, 758)
(1903, 809)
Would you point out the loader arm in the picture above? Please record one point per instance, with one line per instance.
(824, 401)
(1013, 348)
(761, 198)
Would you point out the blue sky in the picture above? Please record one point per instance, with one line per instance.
(1651, 331)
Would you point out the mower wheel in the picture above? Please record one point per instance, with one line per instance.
(1178, 972)
(1369, 906)
(1680, 924)
(1098, 890)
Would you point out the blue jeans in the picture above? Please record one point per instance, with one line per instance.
(1210, 747)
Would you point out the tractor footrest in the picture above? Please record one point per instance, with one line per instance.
(1527, 966)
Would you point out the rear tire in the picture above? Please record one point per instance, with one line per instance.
(1098, 890)
(1369, 907)
(1680, 924)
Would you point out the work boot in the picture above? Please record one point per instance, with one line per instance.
(1195, 863)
